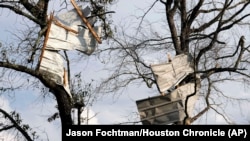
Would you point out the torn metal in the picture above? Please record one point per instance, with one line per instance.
(53, 63)
(170, 74)
(61, 39)
(66, 32)
(169, 108)
(64, 39)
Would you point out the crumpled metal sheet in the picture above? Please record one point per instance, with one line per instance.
(170, 74)
(83, 41)
(60, 39)
(52, 62)
(184, 91)
(52, 65)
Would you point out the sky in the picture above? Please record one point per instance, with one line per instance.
(109, 109)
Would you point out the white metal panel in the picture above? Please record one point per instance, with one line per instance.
(159, 110)
(60, 39)
(170, 74)
(52, 65)
(184, 91)
(169, 108)
(52, 62)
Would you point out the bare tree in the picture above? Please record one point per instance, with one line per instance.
(204, 29)
(19, 58)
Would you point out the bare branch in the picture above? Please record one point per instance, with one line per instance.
(7, 127)
(143, 16)
(19, 12)
(215, 36)
(170, 19)
(214, 20)
(16, 125)
(240, 44)
(195, 12)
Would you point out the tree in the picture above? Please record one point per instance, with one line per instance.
(21, 57)
(207, 30)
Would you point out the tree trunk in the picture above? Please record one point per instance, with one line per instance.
(65, 105)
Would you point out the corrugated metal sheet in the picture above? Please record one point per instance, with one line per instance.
(52, 62)
(52, 65)
(160, 110)
(167, 109)
(61, 39)
(170, 74)
(66, 33)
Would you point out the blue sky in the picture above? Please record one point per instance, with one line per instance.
(109, 109)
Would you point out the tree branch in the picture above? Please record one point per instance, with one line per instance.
(213, 41)
(16, 125)
(207, 102)
(195, 13)
(170, 19)
(214, 20)
(143, 16)
(7, 128)
(37, 74)
(237, 48)
(217, 70)
(19, 12)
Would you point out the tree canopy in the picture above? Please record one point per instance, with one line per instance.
(210, 31)
(214, 33)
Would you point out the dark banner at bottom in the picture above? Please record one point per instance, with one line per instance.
(228, 132)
